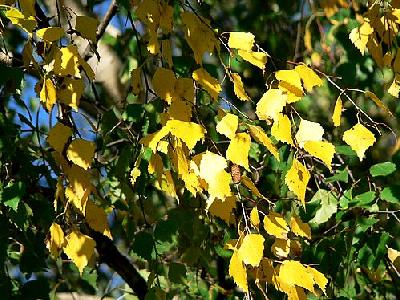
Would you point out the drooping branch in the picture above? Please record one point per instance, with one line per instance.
(110, 255)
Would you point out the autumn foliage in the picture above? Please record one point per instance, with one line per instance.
(233, 165)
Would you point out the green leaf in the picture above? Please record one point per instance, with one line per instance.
(391, 194)
(345, 150)
(382, 169)
(364, 199)
(328, 203)
(381, 249)
(341, 175)
(11, 195)
(133, 113)
(143, 245)
(346, 198)
(177, 273)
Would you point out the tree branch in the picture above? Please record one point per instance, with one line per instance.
(110, 255)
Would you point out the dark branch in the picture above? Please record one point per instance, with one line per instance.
(110, 255)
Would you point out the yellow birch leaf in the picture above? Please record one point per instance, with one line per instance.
(359, 138)
(271, 104)
(58, 136)
(251, 186)
(282, 129)
(308, 131)
(87, 27)
(387, 59)
(394, 257)
(238, 87)
(66, 61)
(190, 133)
(378, 102)
(290, 77)
(148, 12)
(209, 83)
(212, 170)
(28, 7)
(155, 165)
(48, 94)
(297, 179)
(238, 271)
(296, 293)
(163, 147)
(97, 218)
(299, 228)
(78, 202)
(184, 88)
(260, 136)
(394, 88)
(252, 249)
(259, 59)
(153, 46)
(27, 55)
(241, 40)
(228, 125)
(307, 39)
(223, 209)
(71, 92)
(81, 152)
(152, 140)
(79, 181)
(167, 184)
(266, 271)
(275, 224)
(179, 154)
(198, 35)
(87, 69)
(238, 150)
(166, 18)
(322, 150)
(376, 51)
(294, 273)
(50, 34)
(308, 76)
(135, 173)
(56, 240)
(180, 110)
(166, 52)
(79, 249)
(164, 83)
(136, 81)
(281, 248)
(319, 278)
(254, 217)
(27, 23)
(359, 36)
(337, 112)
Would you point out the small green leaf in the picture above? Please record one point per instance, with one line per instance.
(345, 150)
(12, 194)
(341, 175)
(177, 273)
(364, 199)
(143, 245)
(382, 169)
(391, 194)
(328, 207)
